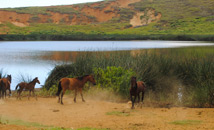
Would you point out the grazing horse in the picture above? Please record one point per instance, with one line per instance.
(5, 85)
(27, 86)
(136, 89)
(75, 84)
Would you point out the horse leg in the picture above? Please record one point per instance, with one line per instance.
(34, 95)
(20, 91)
(59, 98)
(10, 93)
(62, 96)
(29, 95)
(133, 100)
(5, 93)
(17, 95)
(75, 95)
(2, 94)
(142, 96)
(81, 95)
(138, 95)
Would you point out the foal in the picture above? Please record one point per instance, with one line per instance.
(75, 84)
(136, 89)
(27, 86)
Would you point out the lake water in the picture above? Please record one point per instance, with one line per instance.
(38, 58)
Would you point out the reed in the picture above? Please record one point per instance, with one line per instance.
(181, 76)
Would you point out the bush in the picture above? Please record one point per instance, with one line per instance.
(116, 79)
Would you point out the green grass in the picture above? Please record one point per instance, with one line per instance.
(6, 120)
(118, 113)
(186, 122)
(178, 9)
(86, 128)
(43, 10)
(193, 29)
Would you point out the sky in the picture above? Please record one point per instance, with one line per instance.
(27, 3)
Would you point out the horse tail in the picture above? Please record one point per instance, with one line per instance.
(2, 84)
(144, 85)
(17, 86)
(59, 89)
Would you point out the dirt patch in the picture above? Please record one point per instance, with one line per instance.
(103, 114)
(9, 16)
(145, 17)
(19, 24)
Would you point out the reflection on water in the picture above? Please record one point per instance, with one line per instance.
(37, 59)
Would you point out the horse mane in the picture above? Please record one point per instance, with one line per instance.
(82, 77)
(32, 80)
(9, 77)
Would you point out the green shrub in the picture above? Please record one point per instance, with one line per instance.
(34, 19)
(115, 79)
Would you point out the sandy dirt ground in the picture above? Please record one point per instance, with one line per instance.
(102, 114)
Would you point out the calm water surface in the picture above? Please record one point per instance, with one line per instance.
(31, 59)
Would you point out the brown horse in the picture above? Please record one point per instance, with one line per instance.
(5, 85)
(27, 86)
(136, 89)
(75, 84)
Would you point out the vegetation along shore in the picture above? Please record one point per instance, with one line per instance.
(179, 77)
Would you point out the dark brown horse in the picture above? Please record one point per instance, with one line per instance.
(136, 89)
(5, 85)
(75, 84)
(27, 86)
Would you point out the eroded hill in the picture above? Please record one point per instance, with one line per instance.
(99, 12)
(111, 20)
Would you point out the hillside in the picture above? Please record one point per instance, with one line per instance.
(111, 19)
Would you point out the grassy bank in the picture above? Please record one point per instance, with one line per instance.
(192, 29)
(182, 76)
(100, 37)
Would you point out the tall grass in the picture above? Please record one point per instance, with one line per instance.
(168, 73)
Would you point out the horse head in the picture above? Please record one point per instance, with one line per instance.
(37, 80)
(133, 82)
(9, 77)
(91, 79)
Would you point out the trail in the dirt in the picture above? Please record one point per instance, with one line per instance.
(104, 114)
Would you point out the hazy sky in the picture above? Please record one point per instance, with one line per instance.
(26, 3)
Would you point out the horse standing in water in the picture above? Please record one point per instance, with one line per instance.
(27, 86)
(75, 84)
(136, 89)
(5, 85)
